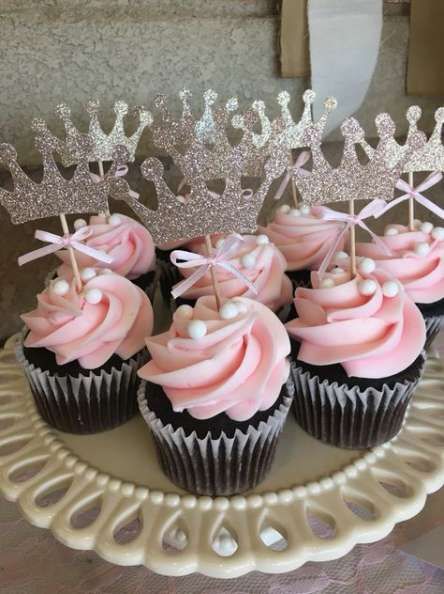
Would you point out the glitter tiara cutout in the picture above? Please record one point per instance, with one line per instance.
(201, 211)
(354, 180)
(428, 158)
(55, 195)
(101, 144)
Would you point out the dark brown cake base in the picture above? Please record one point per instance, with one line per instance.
(433, 314)
(351, 412)
(217, 456)
(77, 400)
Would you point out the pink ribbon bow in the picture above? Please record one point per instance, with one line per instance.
(373, 209)
(415, 192)
(204, 264)
(298, 165)
(58, 242)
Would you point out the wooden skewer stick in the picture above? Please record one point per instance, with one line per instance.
(351, 206)
(411, 205)
(294, 190)
(72, 256)
(209, 248)
(106, 212)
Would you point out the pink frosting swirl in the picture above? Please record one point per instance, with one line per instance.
(266, 272)
(422, 275)
(304, 239)
(72, 328)
(129, 244)
(371, 336)
(238, 367)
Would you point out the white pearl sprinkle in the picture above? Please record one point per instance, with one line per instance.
(60, 287)
(115, 220)
(295, 212)
(262, 240)
(391, 231)
(284, 209)
(341, 256)
(105, 271)
(422, 249)
(327, 283)
(426, 227)
(248, 260)
(93, 296)
(367, 287)
(79, 223)
(196, 329)
(366, 266)
(390, 288)
(438, 233)
(417, 223)
(87, 274)
(305, 210)
(229, 310)
(338, 270)
(242, 308)
(185, 312)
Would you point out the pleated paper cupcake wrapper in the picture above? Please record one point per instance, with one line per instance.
(348, 417)
(85, 404)
(433, 328)
(222, 466)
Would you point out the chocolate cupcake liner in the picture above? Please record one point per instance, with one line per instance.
(216, 466)
(299, 278)
(433, 327)
(349, 417)
(89, 403)
(169, 275)
(148, 283)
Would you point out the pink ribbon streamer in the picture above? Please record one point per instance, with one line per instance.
(204, 264)
(373, 209)
(58, 242)
(121, 171)
(415, 192)
(298, 165)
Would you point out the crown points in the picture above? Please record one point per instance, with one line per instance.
(232, 104)
(414, 114)
(385, 126)
(439, 115)
(352, 130)
(309, 97)
(38, 125)
(152, 169)
(283, 98)
(8, 154)
(210, 97)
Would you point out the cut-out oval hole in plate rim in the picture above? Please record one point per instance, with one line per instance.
(7, 421)
(11, 446)
(25, 472)
(224, 543)
(396, 487)
(321, 524)
(175, 539)
(274, 538)
(360, 507)
(54, 494)
(421, 464)
(87, 514)
(128, 530)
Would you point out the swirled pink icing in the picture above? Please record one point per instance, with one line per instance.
(421, 275)
(73, 329)
(304, 239)
(370, 336)
(238, 367)
(129, 244)
(267, 275)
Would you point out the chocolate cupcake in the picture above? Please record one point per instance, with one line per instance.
(83, 350)
(216, 395)
(304, 239)
(256, 259)
(128, 243)
(356, 358)
(416, 261)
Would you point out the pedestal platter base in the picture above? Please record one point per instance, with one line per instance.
(106, 492)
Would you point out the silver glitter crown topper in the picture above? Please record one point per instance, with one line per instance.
(201, 211)
(428, 158)
(353, 179)
(55, 195)
(101, 144)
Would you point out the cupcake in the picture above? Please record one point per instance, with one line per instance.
(128, 243)
(216, 394)
(257, 260)
(356, 358)
(82, 351)
(304, 238)
(417, 261)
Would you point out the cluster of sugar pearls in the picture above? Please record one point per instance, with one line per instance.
(114, 220)
(422, 248)
(197, 328)
(248, 260)
(302, 211)
(61, 286)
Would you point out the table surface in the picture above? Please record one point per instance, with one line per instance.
(409, 561)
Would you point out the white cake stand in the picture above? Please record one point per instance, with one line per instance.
(106, 492)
